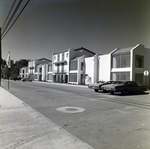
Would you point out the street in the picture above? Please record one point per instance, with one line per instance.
(101, 120)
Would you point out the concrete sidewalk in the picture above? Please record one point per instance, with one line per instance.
(22, 127)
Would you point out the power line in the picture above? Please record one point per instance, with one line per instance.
(9, 13)
(18, 5)
(16, 19)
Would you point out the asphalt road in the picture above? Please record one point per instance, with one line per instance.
(102, 120)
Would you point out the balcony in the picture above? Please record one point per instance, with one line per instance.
(63, 71)
(60, 62)
(31, 67)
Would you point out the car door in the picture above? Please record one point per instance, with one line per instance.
(129, 86)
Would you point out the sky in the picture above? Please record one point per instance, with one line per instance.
(49, 26)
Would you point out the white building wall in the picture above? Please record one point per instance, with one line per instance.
(89, 69)
(44, 72)
(147, 67)
(80, 80)
(142, 51)
(66, 66)
(104, 67)
(24, 72)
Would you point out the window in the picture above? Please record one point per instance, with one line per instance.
(82, 65)
(67, 54)
(120, 76)
(54, 57)
(36, 68)
(58, 58)
(40, 69)
(73, 65)
(139, 61)
(130, 84)
(62, 56)
(121, 60)
(73, 77)
(49, 67)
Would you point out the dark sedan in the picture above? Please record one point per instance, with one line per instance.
(27, 79)
(125, 87)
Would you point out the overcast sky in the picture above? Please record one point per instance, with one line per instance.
(48, 26)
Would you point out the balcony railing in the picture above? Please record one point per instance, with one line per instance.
(60, 62)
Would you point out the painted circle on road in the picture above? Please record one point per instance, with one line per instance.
(70, 109)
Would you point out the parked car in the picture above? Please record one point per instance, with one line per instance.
(15, 78)
(125, 87)
(27, 79)
(97, 86)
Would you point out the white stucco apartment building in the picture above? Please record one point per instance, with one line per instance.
(35, 69)
(126, 64)
(82, 66)
(69, 65)
(24, 72)
(91, 69)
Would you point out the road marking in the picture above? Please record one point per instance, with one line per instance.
(70, 109)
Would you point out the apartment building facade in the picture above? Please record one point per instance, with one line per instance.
(69, 65)
(49, 72)
(35, 68)
(126, 64)
(82, 66)
(91, 69)
(23, 72)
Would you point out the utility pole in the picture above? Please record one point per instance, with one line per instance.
(0, 57)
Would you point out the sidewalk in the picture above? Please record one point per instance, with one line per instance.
(22, 127)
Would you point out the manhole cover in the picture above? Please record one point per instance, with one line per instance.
(70, 109)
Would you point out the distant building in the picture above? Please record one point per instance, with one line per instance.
(49, 73)
(23, 72)
(69, 65)
(35, 68)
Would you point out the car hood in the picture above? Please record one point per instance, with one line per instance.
(111, 85)
(95, 84)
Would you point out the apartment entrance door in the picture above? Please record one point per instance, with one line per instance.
(54, 78)
(66, 79)
(82, 79)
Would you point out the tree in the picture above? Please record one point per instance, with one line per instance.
(3, 68)
(3, 62)
(17, 65)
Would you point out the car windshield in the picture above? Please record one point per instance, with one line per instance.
(110, 82)
(118, 82)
